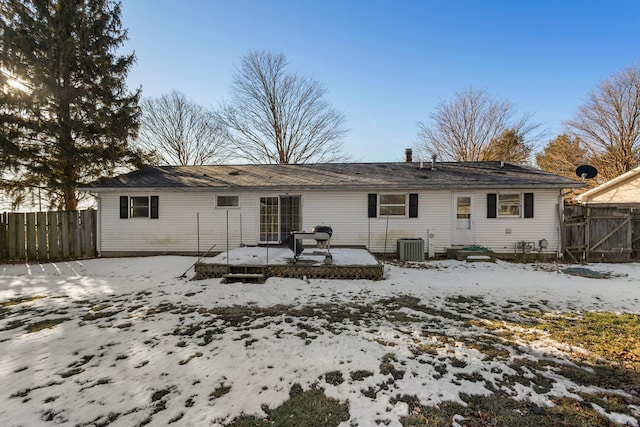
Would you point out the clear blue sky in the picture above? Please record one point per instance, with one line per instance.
(387, 64)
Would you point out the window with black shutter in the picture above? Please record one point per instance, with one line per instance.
(492, 201)
(528, 205)
(373, 205)
(413, 206)
(124, 207)
(139, 207)
(154, 207)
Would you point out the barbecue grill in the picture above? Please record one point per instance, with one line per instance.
(320, 233)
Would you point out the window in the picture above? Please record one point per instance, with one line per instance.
(510, 205)
(138, 207)
(227, 201)
(393, 204)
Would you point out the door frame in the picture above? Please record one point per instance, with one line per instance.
(462, 236)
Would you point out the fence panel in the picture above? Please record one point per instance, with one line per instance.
(88, 230)
(606, 234)
(47, 235)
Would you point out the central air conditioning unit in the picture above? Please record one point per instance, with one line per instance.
(411, 249)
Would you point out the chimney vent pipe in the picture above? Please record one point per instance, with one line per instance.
(433, 161)
(408, 155)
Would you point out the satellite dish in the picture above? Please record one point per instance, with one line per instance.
(586, 171)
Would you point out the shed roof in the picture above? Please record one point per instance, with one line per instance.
(336, 177)
(611, 184)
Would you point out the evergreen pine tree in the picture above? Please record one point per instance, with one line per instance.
(508, 146)
(66, 114)
(562, 156)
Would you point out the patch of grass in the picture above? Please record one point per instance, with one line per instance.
(159, 394)
(45, 324)
(489, 346)
(188, 359)
(387, 367)
(101, 307)
(14, 324)
(465, 299)
(614, 337)
(334, 378)
(220, 391)
(21, 300)
(98, 315)
(360, 375)
(500, 410)
(83, 361)
(309, 408)
(71, 372)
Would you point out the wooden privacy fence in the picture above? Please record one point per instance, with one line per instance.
(605, 234)
(47, 236)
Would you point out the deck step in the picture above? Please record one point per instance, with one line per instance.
(480, 258)
(244, 277)
(245, 274)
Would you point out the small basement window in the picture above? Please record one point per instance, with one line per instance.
(227, 201)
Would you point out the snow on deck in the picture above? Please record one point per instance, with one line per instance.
(254, 255)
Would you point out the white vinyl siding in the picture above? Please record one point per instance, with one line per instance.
(503, 234)
(176, 231)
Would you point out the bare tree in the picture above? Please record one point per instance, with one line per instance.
(276, 116)
(463, 128)
(608, 122)
(180, 132)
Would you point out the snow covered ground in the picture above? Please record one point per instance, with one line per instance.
(124, 342)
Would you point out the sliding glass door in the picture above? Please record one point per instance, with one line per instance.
(279, 216)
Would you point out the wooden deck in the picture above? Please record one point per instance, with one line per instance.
(246, 264)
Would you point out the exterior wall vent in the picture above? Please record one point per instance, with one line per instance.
(411, 249)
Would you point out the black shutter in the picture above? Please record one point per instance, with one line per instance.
(492, 201)
(373, 205)
(154, 206)
(413, 206)
(124, 207)
(528, 205)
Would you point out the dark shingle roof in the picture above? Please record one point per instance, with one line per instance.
(337, 176)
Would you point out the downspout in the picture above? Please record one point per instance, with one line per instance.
(561, 231)
(99, 226)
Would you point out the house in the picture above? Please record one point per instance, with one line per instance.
(187, 209)
(622, 191)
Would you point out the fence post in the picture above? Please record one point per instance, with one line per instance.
(20, 243)
(587, 226)
(41, 220)
(31, 236)
(63, 216)
(74, 227)
(54, 234)
(3, 236)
